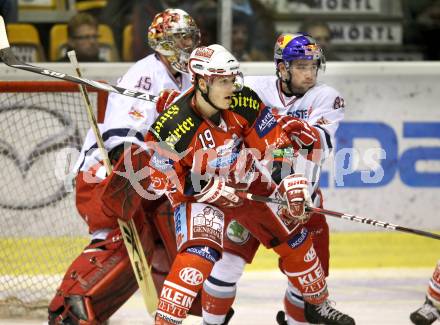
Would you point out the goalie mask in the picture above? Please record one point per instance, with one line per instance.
(174, 34)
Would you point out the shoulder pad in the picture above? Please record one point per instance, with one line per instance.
(247, 104)
(177, 125)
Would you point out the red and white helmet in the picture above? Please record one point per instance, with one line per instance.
(167, 31)
(215, 61)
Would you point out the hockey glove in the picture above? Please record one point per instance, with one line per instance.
(166, 97)
(293, 189)
(217, 192)
(299, 131)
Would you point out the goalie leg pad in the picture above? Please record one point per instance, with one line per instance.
(97, 283)
(89, 204)
(163, 220)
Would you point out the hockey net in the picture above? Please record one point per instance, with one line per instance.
(42, 127)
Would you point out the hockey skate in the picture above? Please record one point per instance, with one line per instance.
(425, 315)
(326, 314)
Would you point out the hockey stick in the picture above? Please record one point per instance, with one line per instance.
(141, 269)
(341, 215)
(9, 59)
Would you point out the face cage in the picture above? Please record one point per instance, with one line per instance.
(238, 82)
(179, 59)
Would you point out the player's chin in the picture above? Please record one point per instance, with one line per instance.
(226, 103)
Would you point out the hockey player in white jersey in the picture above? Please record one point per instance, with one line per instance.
(172, 36)
(100, 279)
(293, 91)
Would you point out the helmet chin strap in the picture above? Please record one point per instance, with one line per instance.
(288, 83)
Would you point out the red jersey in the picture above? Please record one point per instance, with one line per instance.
(194, 145)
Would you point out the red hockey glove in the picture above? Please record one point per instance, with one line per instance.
(299, 131)
(293, 189)
(165, 99)
(217, 192)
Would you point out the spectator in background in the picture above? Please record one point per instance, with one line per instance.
(422, 26)
(252, 31)
(242, 47)
(82, 33)
(117, 14)
(260, 26)
(321, 32)
(142, 16)
(9, 10)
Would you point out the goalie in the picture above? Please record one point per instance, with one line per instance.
(101, 279)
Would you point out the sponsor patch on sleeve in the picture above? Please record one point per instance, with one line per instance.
(265, 122)
(298, 239)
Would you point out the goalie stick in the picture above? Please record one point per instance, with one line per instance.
(341, 215)
(9, 59)
(141, 269)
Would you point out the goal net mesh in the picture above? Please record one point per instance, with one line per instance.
(42, 127)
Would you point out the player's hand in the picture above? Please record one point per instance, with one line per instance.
(165, 99)
(293, 189)
(218, 193)
(298, 130)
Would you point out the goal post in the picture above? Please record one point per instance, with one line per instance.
(42, 128)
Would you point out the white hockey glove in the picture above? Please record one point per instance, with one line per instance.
(293, 189)
(217, 192)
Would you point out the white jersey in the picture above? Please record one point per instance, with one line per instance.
(321, 106)
(128, 119)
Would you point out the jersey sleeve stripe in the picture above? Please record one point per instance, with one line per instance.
(328, 140)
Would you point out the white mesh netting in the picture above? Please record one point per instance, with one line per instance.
(41, 133)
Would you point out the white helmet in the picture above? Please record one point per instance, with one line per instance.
(166, 29)
(215, 61)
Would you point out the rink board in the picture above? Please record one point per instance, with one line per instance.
(348, 250)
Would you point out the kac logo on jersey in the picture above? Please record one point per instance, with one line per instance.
(310, 255)
(265, 122)
(191, 276)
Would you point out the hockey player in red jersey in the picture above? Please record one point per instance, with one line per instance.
(211, 141)
(430, 311)
(294, 92)
(101, 279)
